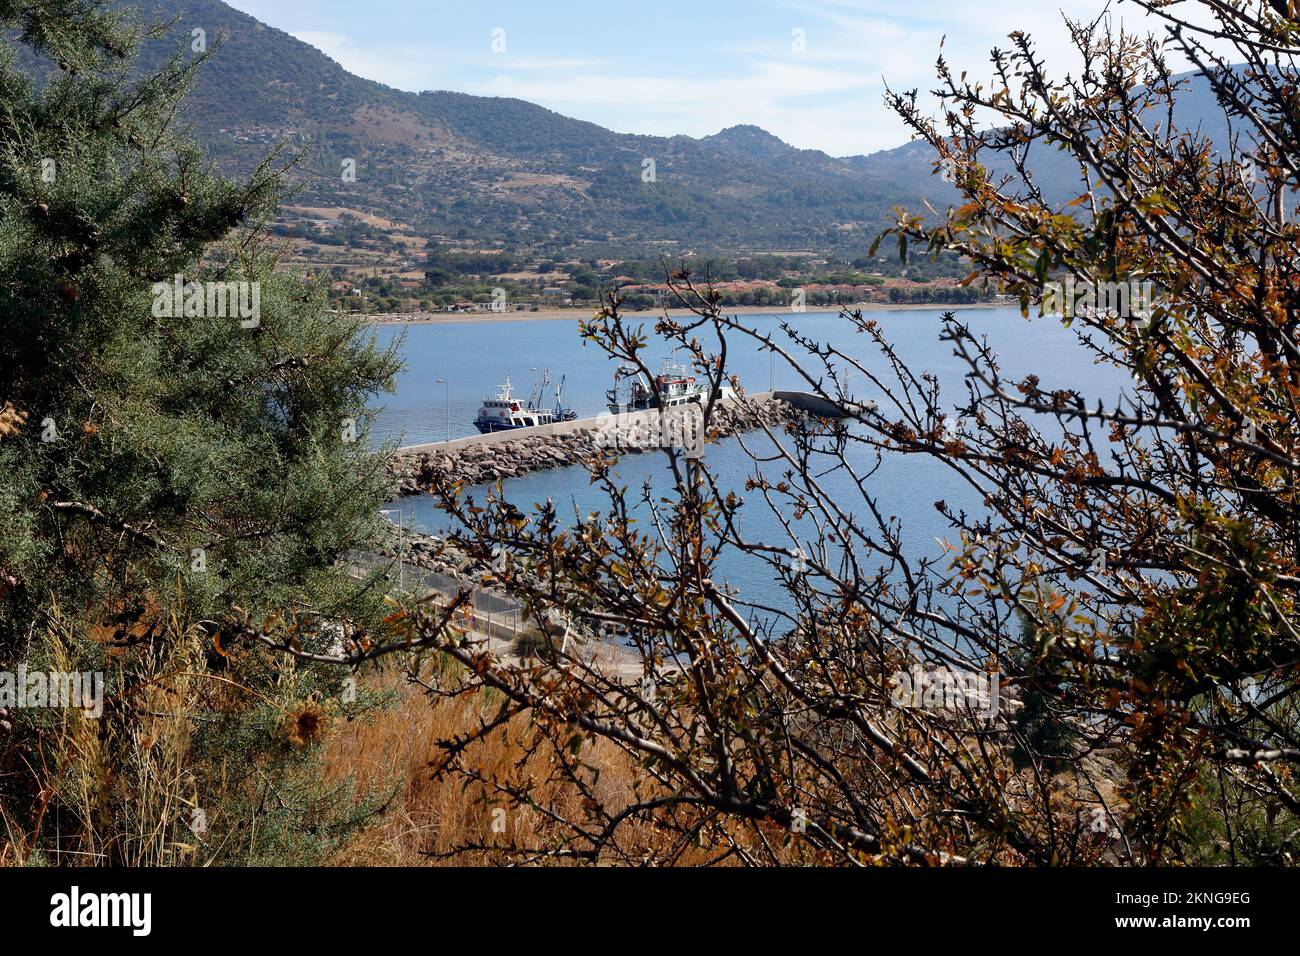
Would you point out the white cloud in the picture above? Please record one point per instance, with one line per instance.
(541, 64)
(781, 97)
(829, 96)
(406, 68)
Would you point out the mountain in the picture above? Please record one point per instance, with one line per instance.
(455, 165)
(1196, 109)
(449, 165)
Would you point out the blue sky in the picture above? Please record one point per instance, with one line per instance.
(680, 66)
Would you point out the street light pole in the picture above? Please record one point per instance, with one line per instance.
(446, 404)
(401, 545)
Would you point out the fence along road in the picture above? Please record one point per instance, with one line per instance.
(499, 621)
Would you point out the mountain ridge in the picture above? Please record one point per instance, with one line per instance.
(458, 166)
(487, 168)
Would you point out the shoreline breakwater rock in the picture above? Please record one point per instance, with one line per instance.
(413, 472)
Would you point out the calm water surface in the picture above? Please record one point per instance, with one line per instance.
(473, 359)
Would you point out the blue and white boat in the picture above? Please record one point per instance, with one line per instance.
(506, 413)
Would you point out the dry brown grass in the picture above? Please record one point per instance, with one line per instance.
(429, 814)
(122, 790)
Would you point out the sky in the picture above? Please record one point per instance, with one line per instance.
(813, 72)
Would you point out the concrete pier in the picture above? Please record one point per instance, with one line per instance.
(479, 459)
(580, 426)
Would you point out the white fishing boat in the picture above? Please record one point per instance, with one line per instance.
(504, 412)
(674, 385)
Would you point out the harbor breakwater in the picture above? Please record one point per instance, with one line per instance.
(503, 455)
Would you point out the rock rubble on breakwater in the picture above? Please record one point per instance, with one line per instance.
(416, 473)
(429, 553)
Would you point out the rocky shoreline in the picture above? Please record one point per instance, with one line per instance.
(429, 553)
(415, 474)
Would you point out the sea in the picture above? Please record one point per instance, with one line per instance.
(449, 368)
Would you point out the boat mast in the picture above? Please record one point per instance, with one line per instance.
(537, 395)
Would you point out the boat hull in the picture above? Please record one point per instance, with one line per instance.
(505, 413)
(487, 427)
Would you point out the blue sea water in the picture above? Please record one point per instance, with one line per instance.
(474, 358)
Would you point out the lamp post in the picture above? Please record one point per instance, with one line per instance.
(401, 545)
(446, 404)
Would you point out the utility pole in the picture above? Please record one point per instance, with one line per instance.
(446, 404)
(401, 545)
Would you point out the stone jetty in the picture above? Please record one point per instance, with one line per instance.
(503, 455)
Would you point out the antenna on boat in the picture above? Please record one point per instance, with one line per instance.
(537, 394)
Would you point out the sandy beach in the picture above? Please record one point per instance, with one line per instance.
(443, 318)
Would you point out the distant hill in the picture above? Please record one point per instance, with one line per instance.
(1057, 174)
(487, 167)
(483, 168)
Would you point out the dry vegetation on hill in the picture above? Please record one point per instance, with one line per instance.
(394, 755)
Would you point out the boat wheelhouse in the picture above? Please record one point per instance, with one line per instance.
(674, 385)
(506, 413)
